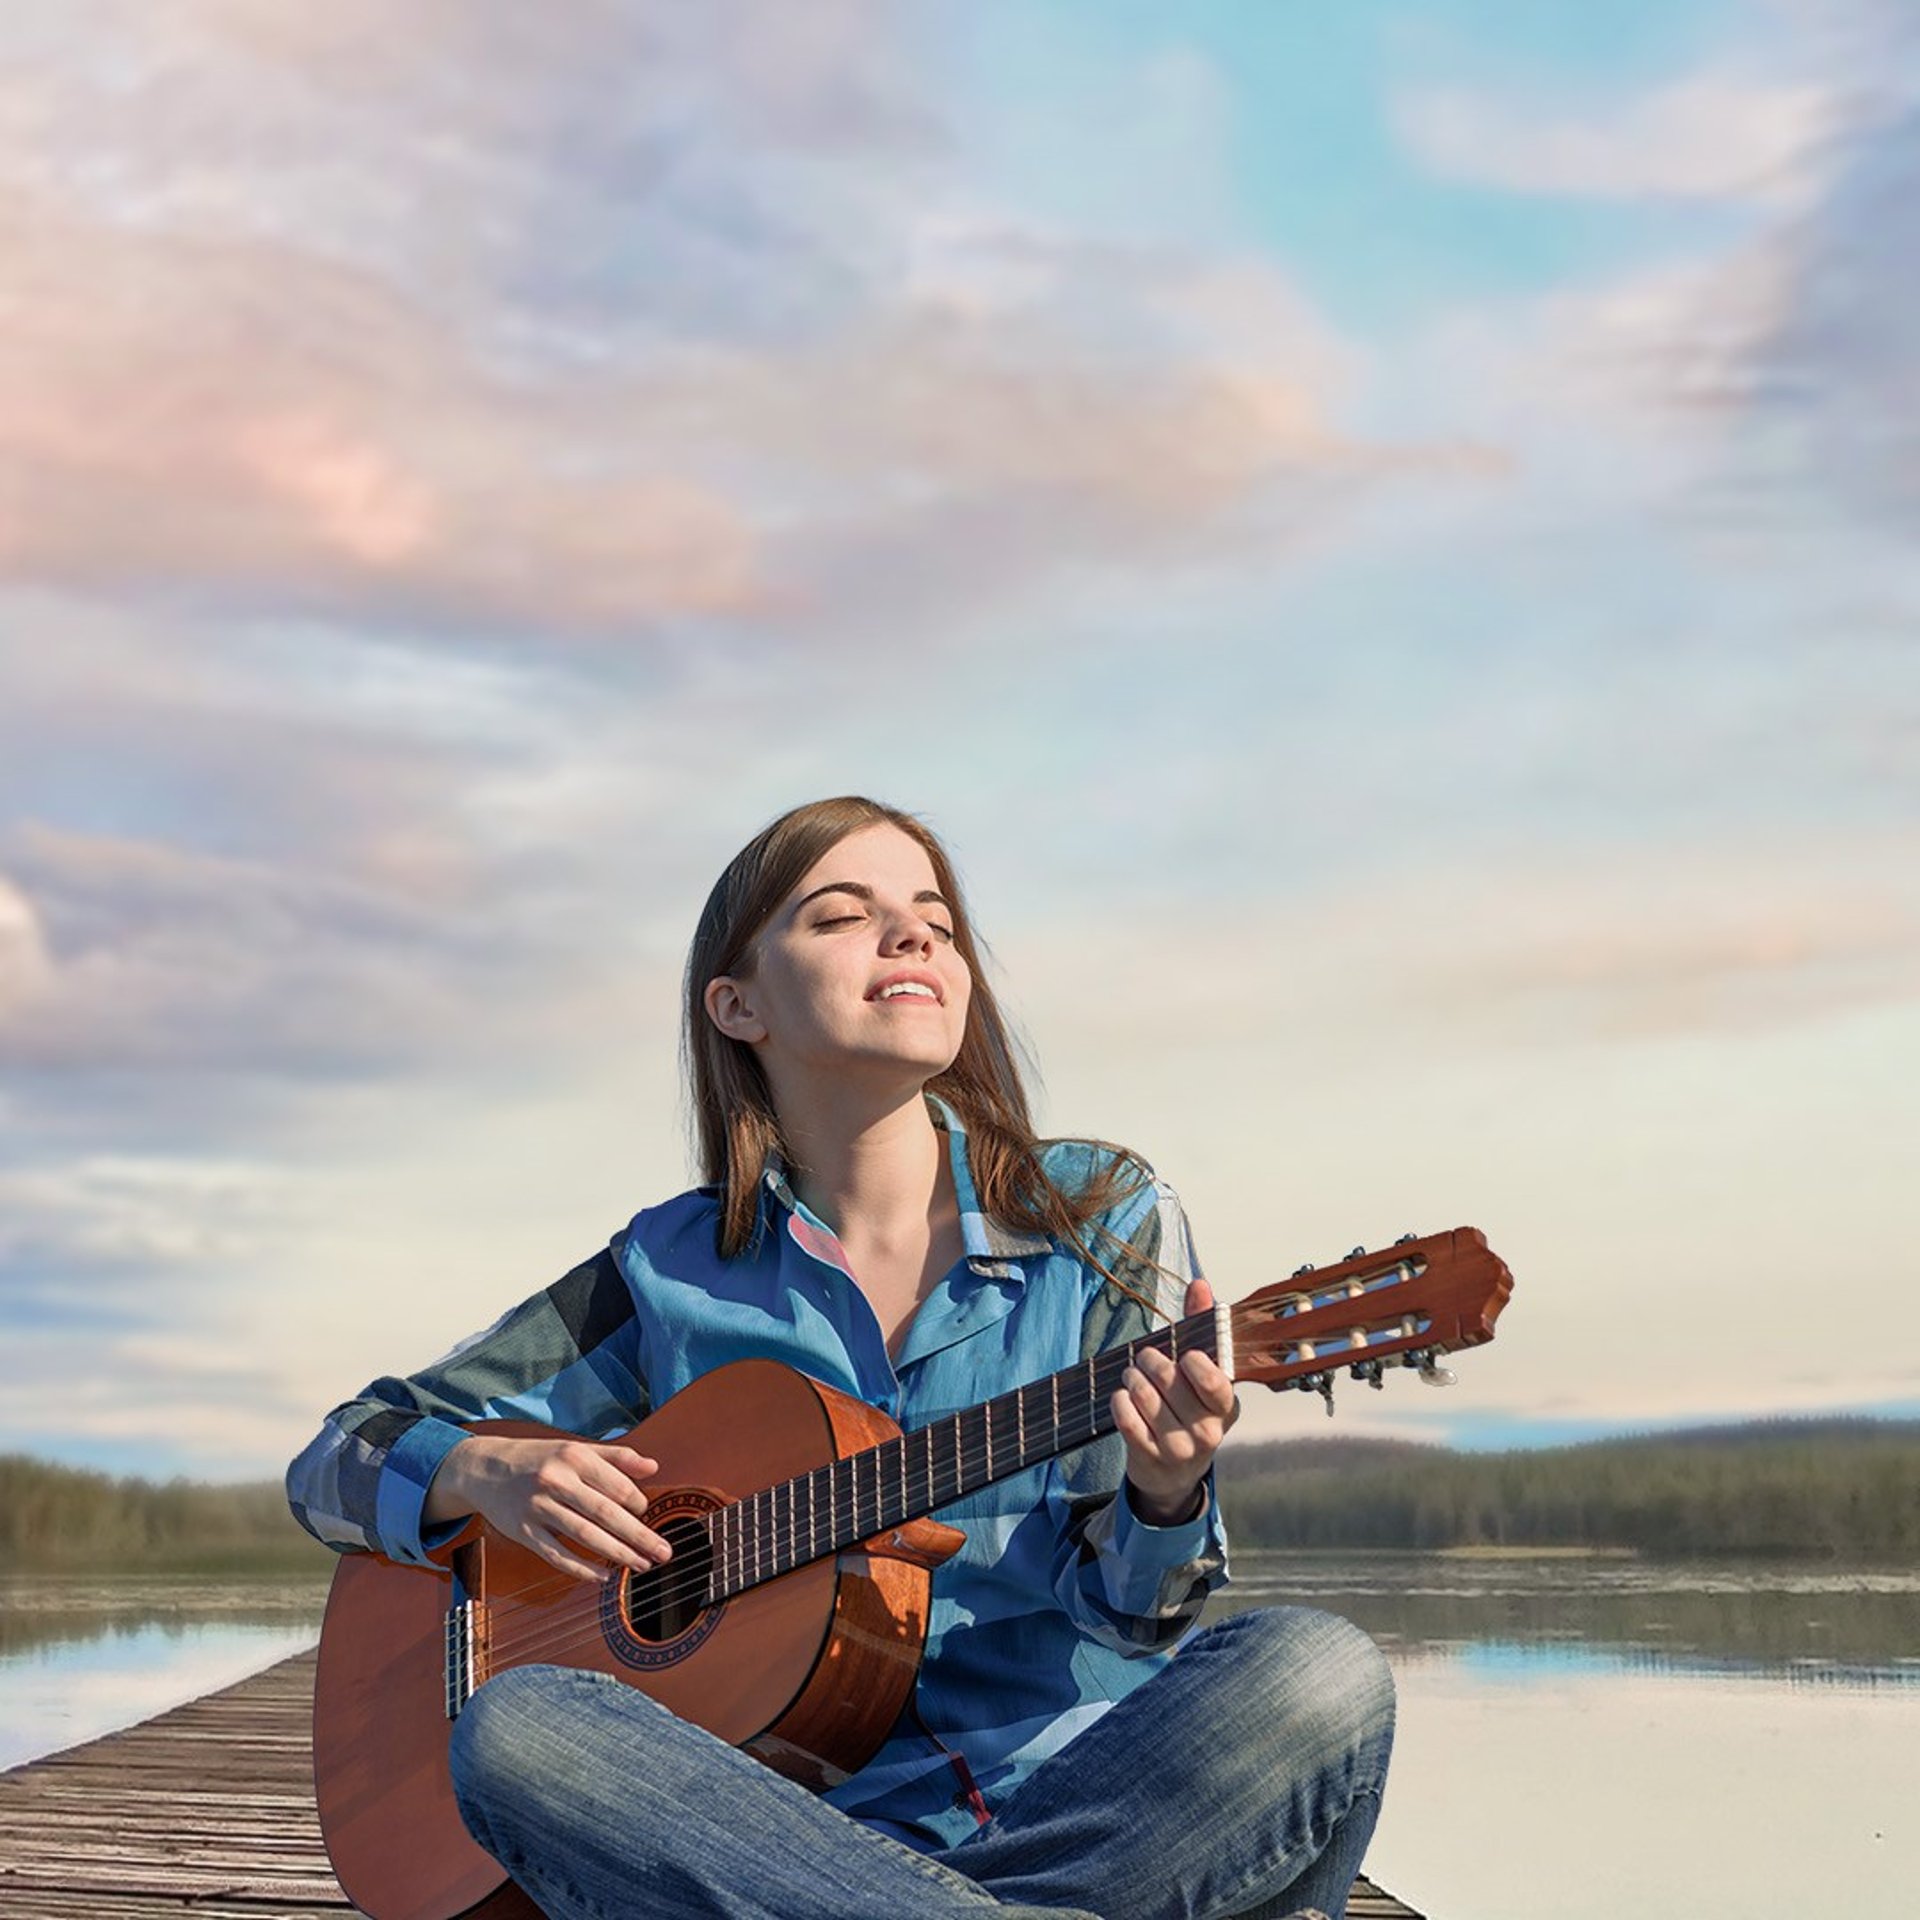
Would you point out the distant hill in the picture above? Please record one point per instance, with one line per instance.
(1331, 1453)
(1831, 1487)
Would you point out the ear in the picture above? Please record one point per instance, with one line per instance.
(730, 1010)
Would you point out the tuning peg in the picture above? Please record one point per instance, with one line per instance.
(1434, 1374)
(1368, 1370)
(1355, 1253)
(1298, 1272)
(1322, 1384)
(1406, 1239)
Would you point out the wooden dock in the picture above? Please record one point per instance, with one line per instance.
(208, 1811)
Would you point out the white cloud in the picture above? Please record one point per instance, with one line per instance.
(26, 970)
(128, 1210)
(1714, 136)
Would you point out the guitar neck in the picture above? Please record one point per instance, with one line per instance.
(864, 1494)
(1403, 1306)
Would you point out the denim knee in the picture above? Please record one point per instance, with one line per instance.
(504, 1744)
(1318, 1672)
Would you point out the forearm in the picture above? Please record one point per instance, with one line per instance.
(451, 1492)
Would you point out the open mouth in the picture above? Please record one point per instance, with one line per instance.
(911, 992)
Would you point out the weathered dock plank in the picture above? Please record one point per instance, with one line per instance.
(207, 1810)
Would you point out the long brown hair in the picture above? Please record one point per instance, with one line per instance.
(735, 1123)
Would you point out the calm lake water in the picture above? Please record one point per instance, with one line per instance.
(1584, 1739)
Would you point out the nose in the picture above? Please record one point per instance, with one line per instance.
(909, 932)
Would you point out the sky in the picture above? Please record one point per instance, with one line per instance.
(1381, 535)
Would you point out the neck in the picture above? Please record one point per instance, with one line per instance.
(873, 1172)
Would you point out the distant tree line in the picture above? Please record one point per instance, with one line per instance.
(53, 1518)
(1830, 1487)
(1835, 1488)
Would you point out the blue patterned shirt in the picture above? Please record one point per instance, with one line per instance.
(1061, 1601)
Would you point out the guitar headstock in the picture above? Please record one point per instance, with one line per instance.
(1404, 1305)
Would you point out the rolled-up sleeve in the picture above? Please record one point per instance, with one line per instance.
(1135, 1587)
(567, 1358)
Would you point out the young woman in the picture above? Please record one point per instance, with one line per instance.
(881, 1217)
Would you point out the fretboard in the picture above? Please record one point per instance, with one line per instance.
(863, 1494)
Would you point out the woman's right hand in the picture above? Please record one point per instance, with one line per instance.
(576, 1503)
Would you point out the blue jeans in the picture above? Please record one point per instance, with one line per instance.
(1243, 1779)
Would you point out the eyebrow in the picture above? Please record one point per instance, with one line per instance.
(861, 891)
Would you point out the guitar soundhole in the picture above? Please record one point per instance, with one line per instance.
(663, 1604)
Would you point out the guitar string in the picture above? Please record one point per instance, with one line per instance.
(551, 1635)
(977, 1451)
(694, 1589)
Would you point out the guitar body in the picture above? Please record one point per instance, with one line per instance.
(807, 1671)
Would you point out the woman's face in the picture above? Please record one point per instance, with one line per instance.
(855, 973)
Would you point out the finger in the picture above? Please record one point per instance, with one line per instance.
(1197, 1386)
(1145, 1396)
(640, 1546)
(1183, 1401)
(631, 1465)
(549, 1548)
(1199, 1294)
(1212, 1386)
(604, 1478)
(1133, 1427)
(577, 1532)
(573, 1506)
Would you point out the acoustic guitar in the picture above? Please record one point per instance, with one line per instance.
(791, 1618)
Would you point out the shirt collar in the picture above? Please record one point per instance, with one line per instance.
(988, 1247)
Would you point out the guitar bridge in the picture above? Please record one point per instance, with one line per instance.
(459, 1657)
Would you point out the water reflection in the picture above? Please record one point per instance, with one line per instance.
(1821, 1626)
(44, 1610)
(1529, 1783)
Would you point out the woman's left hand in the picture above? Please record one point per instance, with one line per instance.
(1173, 1419)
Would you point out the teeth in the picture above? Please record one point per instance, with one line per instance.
(906, 986)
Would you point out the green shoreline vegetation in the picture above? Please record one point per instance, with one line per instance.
(1816, 1488)
(1826, 1489)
